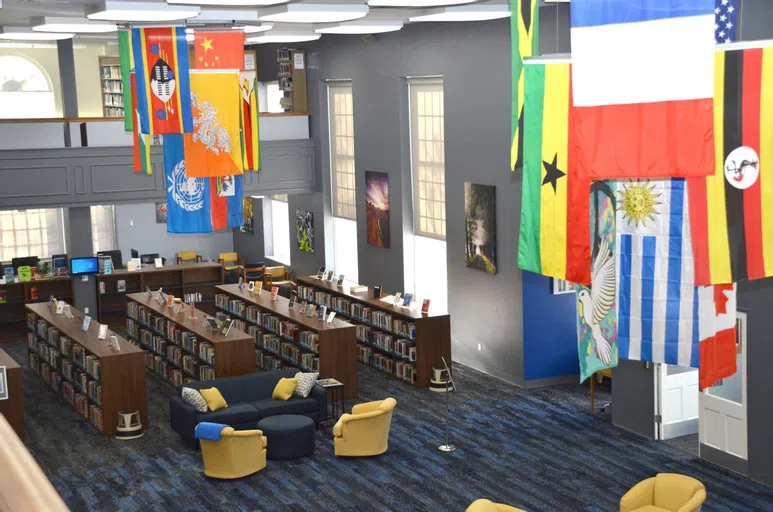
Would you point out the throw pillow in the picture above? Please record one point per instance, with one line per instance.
(284, 389)
(305, 383)
(194, 398)
(214, 399)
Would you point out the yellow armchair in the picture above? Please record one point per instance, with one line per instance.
(365, 431)
(489, 506)
(666, 492)
(183, 256)
(230, 262)
(237, 454)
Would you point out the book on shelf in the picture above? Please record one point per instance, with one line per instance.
(226, 327)
(293, 298)
(398, 296)
(86, 323)
(331, 317)
(330, 275)
(320, 272)
(310, 310)
(321, 313)
(121, 285)
(101, 287)
(376, 292)
(407, 300)
(274, 292)
(328, 383)
(425, 306)
(2, 296)
(34, 293)
(358, 289)
(340, 280)
(9, 275)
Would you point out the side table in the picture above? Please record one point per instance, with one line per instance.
(336, 389)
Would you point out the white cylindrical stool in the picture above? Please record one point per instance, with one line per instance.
(129, 425)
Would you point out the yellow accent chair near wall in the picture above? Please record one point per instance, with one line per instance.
(237, 454)
(277, 276)
(489, 506)
(365, 431)
(231, 262)
(666, 492)
(188, 256)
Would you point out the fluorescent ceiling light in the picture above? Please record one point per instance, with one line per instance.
(25, 34)
(314, 13)
(365, 26)
(20, 46)
(254, 29)
(228, 3)
(480, 12)
(284, 36)
(67, 25)
(227, 15)
(110, 10)
(416, 3)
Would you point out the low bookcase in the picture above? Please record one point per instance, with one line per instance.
(175, 279)
(14, 296)
(401, 342)
(95, 380)
(181, 349)
(284, 337)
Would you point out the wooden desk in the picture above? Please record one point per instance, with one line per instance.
(12, 408)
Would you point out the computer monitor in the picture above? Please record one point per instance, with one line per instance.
(83, 266)
(29, 261)
(148, 259)
(59, 261)
(115, 256)
(135, 253)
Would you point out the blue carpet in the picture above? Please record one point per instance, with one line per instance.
(539, 450)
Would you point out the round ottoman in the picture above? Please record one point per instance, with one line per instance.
(288, 436)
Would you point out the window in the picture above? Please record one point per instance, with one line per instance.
(430, 276)
(103, 228)
(428, 157)
(38, 232)
(341, 132)
(276, 228)
(270, 97)
(25, 89)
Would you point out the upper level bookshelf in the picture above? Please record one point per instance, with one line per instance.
(95, 380)
(13, 297)
(112, 86)
(177, 280)
(285, 337)
(181, 349)
(403, 342)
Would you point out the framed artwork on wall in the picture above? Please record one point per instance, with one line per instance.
(304, 227)
(480, 215)
(561, 286)
(377, 208)
(247, 223)
(162, 213)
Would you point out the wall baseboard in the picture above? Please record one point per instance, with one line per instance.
(552, 381)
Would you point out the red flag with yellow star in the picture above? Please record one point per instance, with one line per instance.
(219, 50)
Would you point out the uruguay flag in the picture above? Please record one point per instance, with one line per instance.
(188, 199)
(643, 83)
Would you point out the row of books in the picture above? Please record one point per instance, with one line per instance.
(91, 412)
(94, 390)
(309, 340)
(402, 369)
(309, 362)
(267, 361)
(50, 376)
(400, 347)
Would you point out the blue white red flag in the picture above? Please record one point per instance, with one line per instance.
(188, 199)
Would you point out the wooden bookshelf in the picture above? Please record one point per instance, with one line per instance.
(174, 279)
(17, 295)
(12, 408)
(335, 352)
(112, 86)
(55, 342)
(176, 345)
(432, 340)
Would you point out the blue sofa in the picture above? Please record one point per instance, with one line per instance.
(249, 400)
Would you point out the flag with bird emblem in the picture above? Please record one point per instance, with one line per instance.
(163, 84)
(126, 55)
(596, 304)
(219, 50)
(553, 238)
(732, 210)
(248, 81)
(524, 37)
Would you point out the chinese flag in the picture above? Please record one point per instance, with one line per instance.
(219, 50)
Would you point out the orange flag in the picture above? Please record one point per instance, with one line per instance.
(219, 50)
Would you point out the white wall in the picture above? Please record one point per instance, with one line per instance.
(136, 228)
(48, 60)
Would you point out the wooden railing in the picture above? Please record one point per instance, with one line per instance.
(104, 119)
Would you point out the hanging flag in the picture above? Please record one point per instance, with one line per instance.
(163, 85)
(188, 199)
(524, 37)
(127, 68)
(553, 238)
(141, 142)
(226, 198)
(219, 50)
(718, 354)
(214, 147)
(642, 74)
(725, 16)
(732, 210)
(249, 121)
(596, 308)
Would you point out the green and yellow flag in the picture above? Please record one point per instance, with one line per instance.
(524, 35)
(127, 66)
(554, 238)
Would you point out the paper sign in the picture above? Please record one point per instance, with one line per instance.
(86, 323)
(102, 332)
(298, 60)
(159, 263)
(274, 292)
(330, 317)
(60, 308)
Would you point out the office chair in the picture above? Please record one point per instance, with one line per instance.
(150, 259)
(116, 256)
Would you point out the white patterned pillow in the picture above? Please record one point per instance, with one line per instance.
(194, 398)
(306, 381)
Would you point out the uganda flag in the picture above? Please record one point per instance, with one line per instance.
(731, 212)
(555, 226)
(524, 34)
(127, 68)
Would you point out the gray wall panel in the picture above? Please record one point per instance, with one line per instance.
(79, 244)
(251, 246)
(633, 397)
(35, 177)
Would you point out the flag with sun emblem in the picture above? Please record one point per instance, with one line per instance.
(163, 85)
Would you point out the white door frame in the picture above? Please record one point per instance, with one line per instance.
(677, 402)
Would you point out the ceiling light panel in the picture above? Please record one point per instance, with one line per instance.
(25, 34)
(254, 29)
(284, 36)
(364, 26)
(229, 15)
(68, 25)
(417, 3)
(227, 3)
(314, 13)
(109, 10)
(480, 12)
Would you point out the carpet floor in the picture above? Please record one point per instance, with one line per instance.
(539, 450)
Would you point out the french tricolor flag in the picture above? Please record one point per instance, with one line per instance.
(643, 87)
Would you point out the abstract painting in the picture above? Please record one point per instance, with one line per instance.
(480, 215)
(247, 226)
(377, 208)
(304, 228)
(162, 213)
